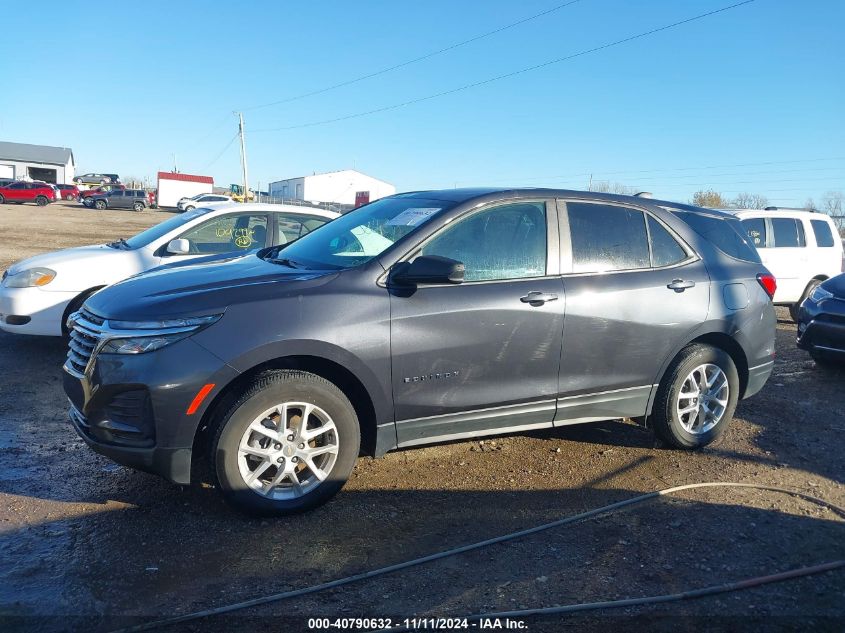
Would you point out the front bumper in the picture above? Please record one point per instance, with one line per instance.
(133, 408)
(821, 326)
(42, 310)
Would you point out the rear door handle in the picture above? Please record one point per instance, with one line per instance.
(679, 285)
(537, 298)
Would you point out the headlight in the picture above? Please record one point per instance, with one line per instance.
(29, 278)
(820, 294)
(138, 337)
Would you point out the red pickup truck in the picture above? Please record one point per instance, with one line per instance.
(38, 192)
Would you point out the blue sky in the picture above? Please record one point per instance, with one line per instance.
(751, 99)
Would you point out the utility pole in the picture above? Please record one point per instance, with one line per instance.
(175, 166)
(243, 156)
(590, 186)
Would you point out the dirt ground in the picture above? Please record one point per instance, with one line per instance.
(89, 545)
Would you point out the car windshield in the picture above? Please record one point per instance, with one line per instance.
(153, 233)
(360, 235)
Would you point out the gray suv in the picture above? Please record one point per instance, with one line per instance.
(420, 318)
(121, 199)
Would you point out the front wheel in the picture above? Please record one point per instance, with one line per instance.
(87, 202)
(189, 208)
(696, 398)
(100, 205)
(287, 445)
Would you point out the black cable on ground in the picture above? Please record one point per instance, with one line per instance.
(492, 541)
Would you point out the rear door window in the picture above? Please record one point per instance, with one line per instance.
(292, 227)
(607, 238)
(787, 233)
(665, 250)
(824, 236)
(755, 228)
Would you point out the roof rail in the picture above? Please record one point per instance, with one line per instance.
(643, 194)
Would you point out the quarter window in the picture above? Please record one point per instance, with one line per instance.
(756, 230)
(824, 236)
(504, 242)
(607, 238)
(665, 250)
(787, 233)
(228, 233)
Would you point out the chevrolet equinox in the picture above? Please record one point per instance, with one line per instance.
(422, 317)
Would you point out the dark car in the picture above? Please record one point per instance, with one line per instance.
(86, 196)
(120, 199)
(38, 192)
(420, 318)
(96, 179)
(821, 323)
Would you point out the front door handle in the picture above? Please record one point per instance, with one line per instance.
(679, 285)
(537, 298)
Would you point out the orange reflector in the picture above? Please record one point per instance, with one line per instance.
(197, 401)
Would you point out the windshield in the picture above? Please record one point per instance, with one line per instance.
(361, 235)
(153, 233)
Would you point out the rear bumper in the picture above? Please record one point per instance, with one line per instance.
(757, 377)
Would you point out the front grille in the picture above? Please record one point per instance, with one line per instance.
(84, 335)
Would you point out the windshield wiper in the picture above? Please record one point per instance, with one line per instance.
(119, 243)
(284, 261)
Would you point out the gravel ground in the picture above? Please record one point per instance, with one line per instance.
(89, 545)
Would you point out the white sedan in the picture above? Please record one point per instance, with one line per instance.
(200, 200)
(37, 294)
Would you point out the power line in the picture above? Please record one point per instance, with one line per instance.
(415, 60)
(521, 71)
(223, 151)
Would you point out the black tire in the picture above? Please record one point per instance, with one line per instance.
(2, 199)
(793, 309)
(87, 202)
(41, 201)
(664, 417)
(189, 208)
(138, 206)
(266, 392)
(100, 205)
(73, 306)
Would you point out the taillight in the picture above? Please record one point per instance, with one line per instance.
(769, 283)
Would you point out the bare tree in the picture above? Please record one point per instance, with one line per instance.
(750, 201)
(810, 205)
(710, 199)
(832, 204)
(606, 186)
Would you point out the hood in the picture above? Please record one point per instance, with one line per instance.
(202, 287)
(56, 259)
(836, 285)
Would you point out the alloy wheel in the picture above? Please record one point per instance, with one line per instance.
(702, 399)
(288, 450)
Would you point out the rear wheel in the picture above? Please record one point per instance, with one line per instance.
(793, 309)
(138, 206)
(2, 199)
(287, 445)
(189, 208)
(696, 398)
(100, 205)
(41, 201)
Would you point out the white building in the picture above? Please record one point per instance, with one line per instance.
(172, 186)
(21, 161)
(340, 187)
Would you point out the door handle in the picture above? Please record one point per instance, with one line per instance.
(679, 285)
(537, 298)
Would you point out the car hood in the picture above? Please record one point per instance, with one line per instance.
(56, 259)
(202, 287)
(836, 285)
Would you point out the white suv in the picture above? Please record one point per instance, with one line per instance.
(800, 248)
(39, 293)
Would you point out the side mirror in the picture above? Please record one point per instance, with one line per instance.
(179, 247)
(430, 269)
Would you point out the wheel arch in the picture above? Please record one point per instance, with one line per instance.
(76, 303)
(345, 379)
(715, 338)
